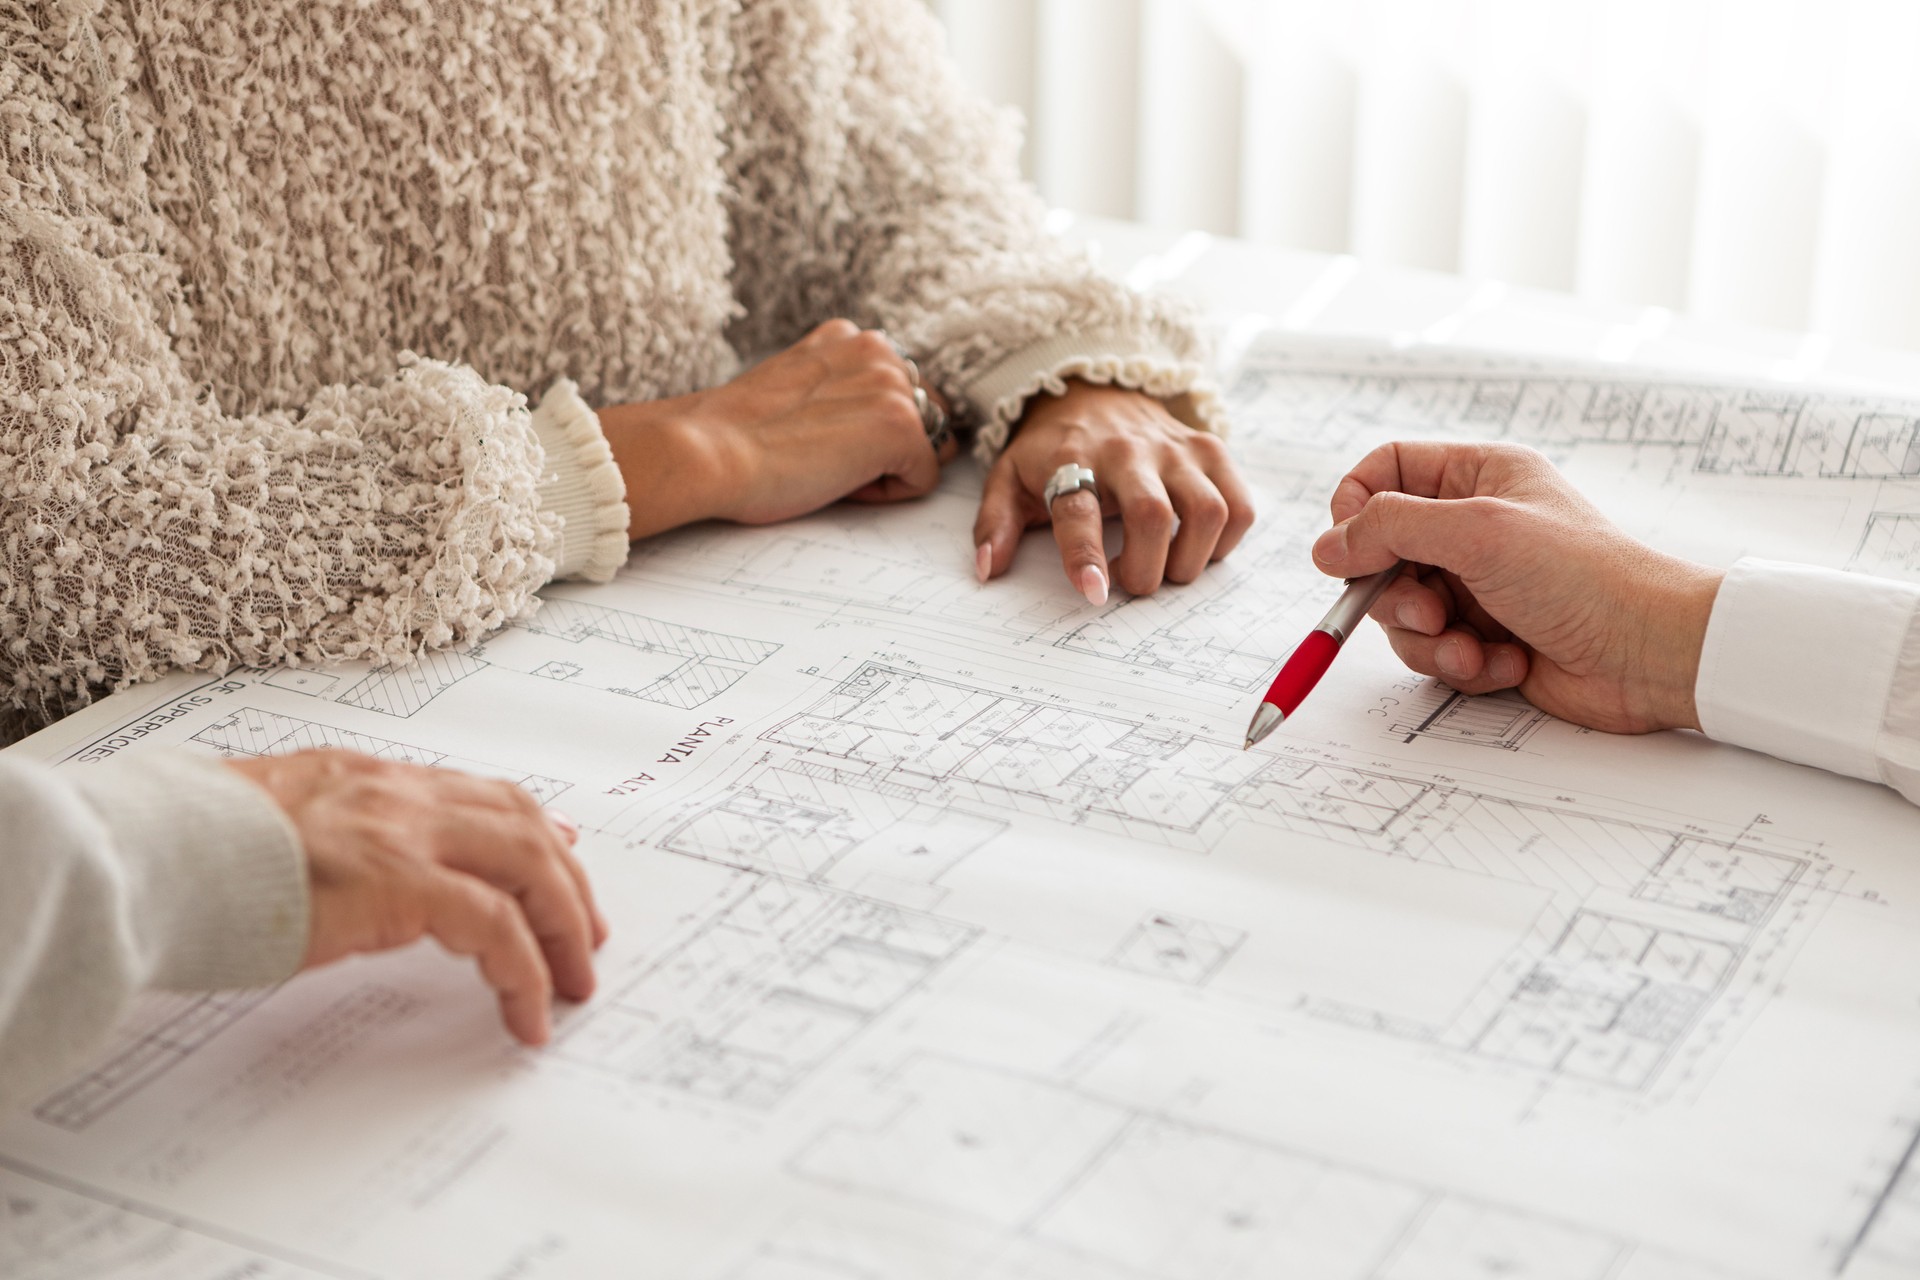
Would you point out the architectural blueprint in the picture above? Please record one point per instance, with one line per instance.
(956, 938)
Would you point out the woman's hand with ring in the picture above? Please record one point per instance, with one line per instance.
(834, 416)
(1180, 499)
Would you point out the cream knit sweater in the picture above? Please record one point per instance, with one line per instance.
(276, 280)
(276, 277)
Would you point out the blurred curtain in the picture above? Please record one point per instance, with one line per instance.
(1747, 160)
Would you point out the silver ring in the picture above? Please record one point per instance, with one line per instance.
(1071, 478)
(933, 419)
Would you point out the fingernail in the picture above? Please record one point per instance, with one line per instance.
(1504, 669)
(1448, 657)
(565, 824)
(983, 560)
(1332, 546)
(1407, 616)
(1093, 584)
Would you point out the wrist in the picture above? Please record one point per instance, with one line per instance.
(670, 465)
(1680, 598)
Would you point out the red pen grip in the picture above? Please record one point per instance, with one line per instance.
(1302, 671)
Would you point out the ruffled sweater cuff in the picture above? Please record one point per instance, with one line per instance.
(999, 396)
(580, 484)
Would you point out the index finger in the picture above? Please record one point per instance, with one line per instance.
(501, 796)
(1423, 468)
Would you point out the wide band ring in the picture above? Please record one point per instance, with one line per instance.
(933, 418)
(1071, 478)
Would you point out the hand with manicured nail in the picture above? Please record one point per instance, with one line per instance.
(1517, 581)
(1180, 499)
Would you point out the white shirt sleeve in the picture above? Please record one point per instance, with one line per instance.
(1818, 667)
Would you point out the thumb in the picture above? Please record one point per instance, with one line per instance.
(1456, 534)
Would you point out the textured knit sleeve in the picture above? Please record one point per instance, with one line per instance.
(169, 872)
(143, 527)
(1818, 667)
(871, 183)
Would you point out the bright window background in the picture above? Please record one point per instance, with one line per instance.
(1755, 161)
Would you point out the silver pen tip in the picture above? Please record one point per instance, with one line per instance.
(1265, 721)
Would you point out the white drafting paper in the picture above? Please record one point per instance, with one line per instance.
(955, 937)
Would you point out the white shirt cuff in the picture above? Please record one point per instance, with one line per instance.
(1799, 663)
(581, 485)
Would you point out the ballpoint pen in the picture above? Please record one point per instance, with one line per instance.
(1304, 667)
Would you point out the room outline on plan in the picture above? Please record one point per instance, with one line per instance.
(891, 780)
(1039, 1176)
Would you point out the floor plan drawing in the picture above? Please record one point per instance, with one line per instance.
(893, 760)
(165, 1031)
(955, 934)
(1737, 458)
(1178, 947)
(1889, 1234)
(1890, 545)
(53, 1232)
(612, 650)
(252, 732)
(1067, 1178)
(1725, 430)
(804, 822)
(792, 566)
(1504, 721)
(764, 994)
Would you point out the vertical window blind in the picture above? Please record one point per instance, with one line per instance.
(1747, 160)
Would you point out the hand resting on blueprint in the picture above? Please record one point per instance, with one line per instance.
(832, 418)
(1180, 499)
(1516, 581)
(398, 852)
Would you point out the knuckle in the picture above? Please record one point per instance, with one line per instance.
(838, 327)
(1150, 515)
(889, 377)
(1385, 511)
(1072, 444)
(1208, 447)
(338, 762)
(380, 795)
(873, 345)
(1209, 511)
(498, 913)
(515, 797)
(896, 411)
(1495, 514)
(1523, 454)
